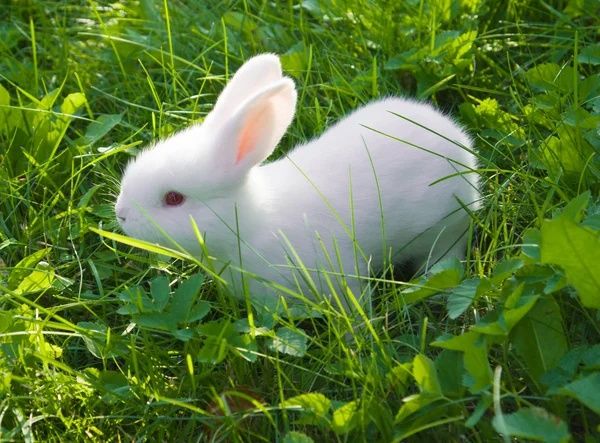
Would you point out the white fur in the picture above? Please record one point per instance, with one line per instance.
(325, 198)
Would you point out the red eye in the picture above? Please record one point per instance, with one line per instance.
(174, 198)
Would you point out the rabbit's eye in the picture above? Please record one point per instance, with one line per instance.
(174, 198)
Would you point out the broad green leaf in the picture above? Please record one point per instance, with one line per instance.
(505, 269)
(7, 318)
(40, 279)
(128, 309)
(290, 341)
(213, 351)
(45, 349)
(539, 338)
(399, 375)
(514, 297)
(574, 360)
(478, 368)
(592, 219)
(580, 118)
(515, 313)
(136, 301)
(585, 390)
(159, 289)
(380, 413)
(461, 297)
(297, 437)
(100, 127)
(457, 342)
(555, 282)
(590, 55)
(577, 250)
(575, 209)
(72, 103)
(531, 244)
(475, 358)
(100, 342)
(185, 295)
(551, 77)
(501, 321)
(296, 59)
(221, 336)
(199, 311)
(246, 347)
(95, 340)
(242, 325)
(404, 60)
(315, 404)
(533, 424)
(415, 403)
(47, 101)
(25, 266)
(61, 283)
(162, 311)
(591, 356)
(345, 418)
(425, 375)
(443, 275)
(4, 98)
(240, 21)
(462, 45)
(589, 92)
(217, 328)
(183, 334)
(485, 401)
(566, 155)
(114, 383)
(156, 320)
(450, 369)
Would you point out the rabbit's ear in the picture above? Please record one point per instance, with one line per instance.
(253, 131)
(252, 77)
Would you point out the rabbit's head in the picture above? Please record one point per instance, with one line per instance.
(207, 165)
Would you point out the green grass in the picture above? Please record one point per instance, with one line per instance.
(100, 341)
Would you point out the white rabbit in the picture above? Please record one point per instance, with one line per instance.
(390, 181)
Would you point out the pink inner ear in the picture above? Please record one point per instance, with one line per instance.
(254, 127)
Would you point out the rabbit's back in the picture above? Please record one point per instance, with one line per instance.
(374, 177)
